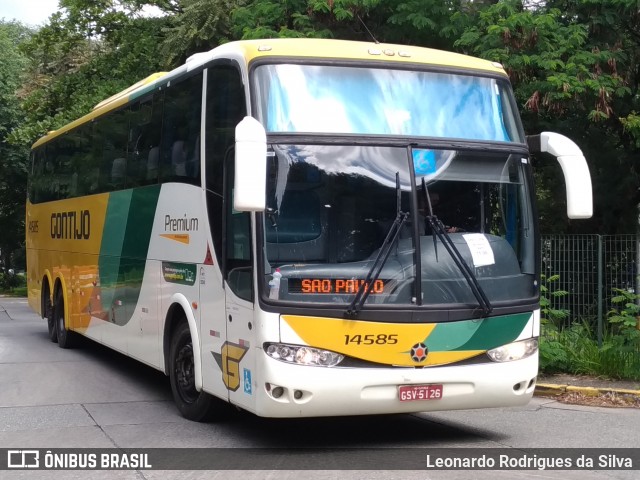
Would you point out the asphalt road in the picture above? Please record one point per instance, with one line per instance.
(91, 397)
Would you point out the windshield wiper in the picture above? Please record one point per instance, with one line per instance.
(441, 232)
(383, 254)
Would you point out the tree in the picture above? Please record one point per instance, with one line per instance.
(86, 53)
(198, 26)
(573, 65)
(13, 158)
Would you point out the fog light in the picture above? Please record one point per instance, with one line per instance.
(514, 351)
(297, 394)
(277, 392)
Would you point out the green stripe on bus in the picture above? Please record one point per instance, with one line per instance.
(125, 244)
(482, 334)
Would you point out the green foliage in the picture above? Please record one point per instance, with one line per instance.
(13, 156)
(199, 26)
(289, 19)
(549, 314)
(575, 350)
(573, 66)
(81, 58)
(631, 124)
(569, 350)
(431, 22)
(624, 319)
(547, 58)
(9, 281)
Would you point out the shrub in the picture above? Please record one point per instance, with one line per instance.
(623, 319)
(556, 316)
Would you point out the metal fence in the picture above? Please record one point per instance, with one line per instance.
(590, 267)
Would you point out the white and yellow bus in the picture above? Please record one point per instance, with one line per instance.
(303, 228)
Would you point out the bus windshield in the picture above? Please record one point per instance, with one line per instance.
(379, 101)
(330, 207)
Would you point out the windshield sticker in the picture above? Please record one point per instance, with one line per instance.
(430, 163)
(480, 249)
(424, 162)
(181, 273)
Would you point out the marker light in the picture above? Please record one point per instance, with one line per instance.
(302, 355)
(514, 351)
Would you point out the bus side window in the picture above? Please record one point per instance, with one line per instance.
(37, 187)
(226, 107)
(110, 143)
(82, 161)
(180, 131)
(144, 138)
(237, 266)
(224, 110)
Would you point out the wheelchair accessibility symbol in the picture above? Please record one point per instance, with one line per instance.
(247, 381)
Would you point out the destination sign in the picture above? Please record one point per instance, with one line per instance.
(332, 285)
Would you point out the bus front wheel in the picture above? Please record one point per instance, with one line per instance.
(193, 405)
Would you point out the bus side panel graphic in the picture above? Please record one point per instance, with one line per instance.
(123, 253)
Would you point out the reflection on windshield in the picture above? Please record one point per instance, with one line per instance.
(376, 101)
(330, 208)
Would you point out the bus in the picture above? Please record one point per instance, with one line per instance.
(303, 227)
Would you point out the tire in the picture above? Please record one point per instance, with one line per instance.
(48, 314)
(66, 338)
(193, 405)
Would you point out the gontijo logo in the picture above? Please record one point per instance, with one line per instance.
(71, 225)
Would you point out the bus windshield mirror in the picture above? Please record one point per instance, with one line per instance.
(383, 254)
(272, 215)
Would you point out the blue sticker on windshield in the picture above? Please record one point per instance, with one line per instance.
(424, 162)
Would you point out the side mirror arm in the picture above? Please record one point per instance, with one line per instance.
(574, 167)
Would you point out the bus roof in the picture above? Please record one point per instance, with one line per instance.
(329, 49)
(307, 48)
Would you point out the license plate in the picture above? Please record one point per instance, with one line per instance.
(412, 393)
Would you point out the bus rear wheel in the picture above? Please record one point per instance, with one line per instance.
(193, 405)
(66, 338)
(48, 314)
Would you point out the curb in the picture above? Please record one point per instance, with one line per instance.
(550, 389)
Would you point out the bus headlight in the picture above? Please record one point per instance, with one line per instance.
(514, 351)
(303, 355)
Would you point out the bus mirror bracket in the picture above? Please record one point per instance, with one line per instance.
(250, 177)
(574, 168)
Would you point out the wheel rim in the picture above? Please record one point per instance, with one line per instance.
(185, 375)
